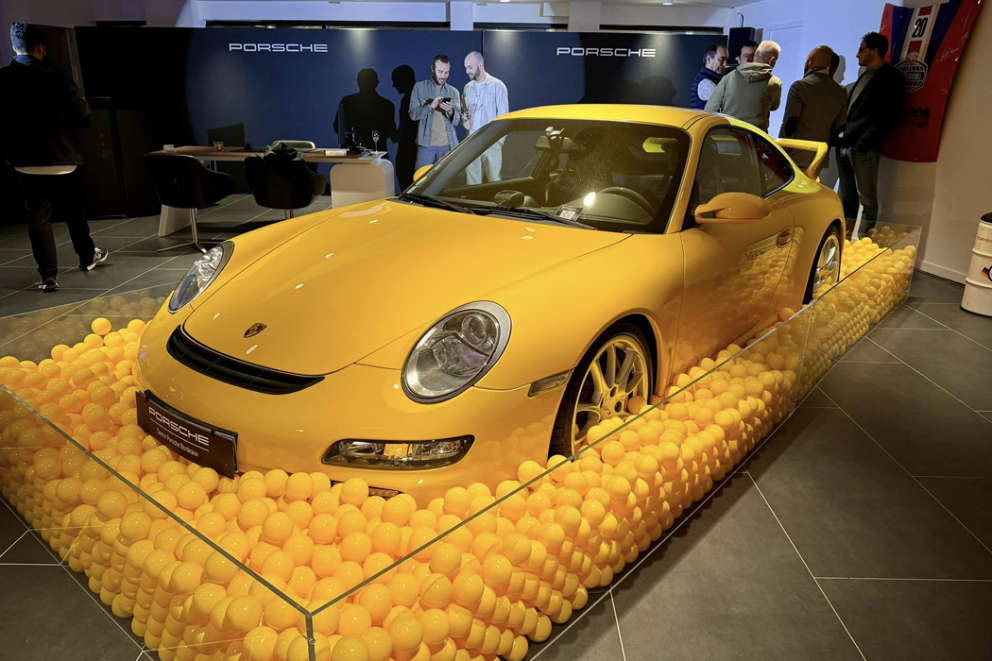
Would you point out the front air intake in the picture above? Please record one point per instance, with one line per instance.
(236, 372)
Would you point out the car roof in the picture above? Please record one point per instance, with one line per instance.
(664, 115)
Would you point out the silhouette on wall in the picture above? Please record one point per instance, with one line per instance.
(405, 137)
(366, 111)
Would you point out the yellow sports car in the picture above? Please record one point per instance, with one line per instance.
(489, 315)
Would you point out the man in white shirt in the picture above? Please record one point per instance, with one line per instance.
(484, 100)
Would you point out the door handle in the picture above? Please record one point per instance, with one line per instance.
(783, 237)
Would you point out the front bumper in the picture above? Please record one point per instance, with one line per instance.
(294, 431)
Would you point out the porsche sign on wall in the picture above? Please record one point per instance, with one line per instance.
(926, 45)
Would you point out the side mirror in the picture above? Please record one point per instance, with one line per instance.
(421, 172)
(732, 209)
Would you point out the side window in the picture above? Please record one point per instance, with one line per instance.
(776, 171)
(726, 165)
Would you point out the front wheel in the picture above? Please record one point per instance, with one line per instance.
(616, 370)
(826, 266)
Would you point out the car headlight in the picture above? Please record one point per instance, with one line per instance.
(203, 272)
(456, 352)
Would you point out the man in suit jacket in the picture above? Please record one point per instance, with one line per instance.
(874, 104)
(816, 108)
(39, 112)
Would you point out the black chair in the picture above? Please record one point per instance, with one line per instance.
(283, 180)
(184, 182)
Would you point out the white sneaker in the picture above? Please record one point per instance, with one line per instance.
(99, 257)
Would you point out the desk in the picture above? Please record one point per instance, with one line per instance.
(355, 179)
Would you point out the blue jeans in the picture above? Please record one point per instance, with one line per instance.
(430, 155)
(858, 173)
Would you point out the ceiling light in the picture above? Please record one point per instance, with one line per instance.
(504, 0)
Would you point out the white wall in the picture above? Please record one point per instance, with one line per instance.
(946, 198)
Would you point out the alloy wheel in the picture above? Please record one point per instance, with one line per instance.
(827, 263)
(618, 372)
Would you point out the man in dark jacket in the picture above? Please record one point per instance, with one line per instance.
(816, 108)
(873, 107)
(714, 62)
(40, 110)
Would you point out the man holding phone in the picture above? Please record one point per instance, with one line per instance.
(435, 105)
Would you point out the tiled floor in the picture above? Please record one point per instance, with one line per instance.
(861, 529)
(133, 264)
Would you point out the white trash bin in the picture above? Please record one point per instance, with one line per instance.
(978, 285)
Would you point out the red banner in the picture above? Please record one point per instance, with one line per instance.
(925, 44)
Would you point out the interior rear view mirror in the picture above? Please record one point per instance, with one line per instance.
(562, 145)
(731, 208)
(421, 172)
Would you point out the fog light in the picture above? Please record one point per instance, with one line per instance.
(398, 454)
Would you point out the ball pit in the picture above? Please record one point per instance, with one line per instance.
(484, 581)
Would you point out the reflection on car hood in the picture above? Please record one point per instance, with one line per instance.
(368, 275)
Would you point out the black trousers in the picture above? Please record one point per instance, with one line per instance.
(65, 190)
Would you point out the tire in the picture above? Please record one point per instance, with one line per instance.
(624, 337)
(818, 261)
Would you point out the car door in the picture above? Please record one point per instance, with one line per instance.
(731, 270)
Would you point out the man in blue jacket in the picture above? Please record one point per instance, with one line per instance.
(714, 62)
(39, 112)
(435, 105)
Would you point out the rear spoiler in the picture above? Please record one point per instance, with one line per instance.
(821, 149)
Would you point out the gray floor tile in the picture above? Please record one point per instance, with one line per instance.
(21, 240)
(182, 261)
(118, 269)
(852, 511)
(816, 399)
(948, 359)
(593, 636)
(67, 257)
(15, 278)
(906, 317)
(11, 529)
(32, 300)
(728, 584)
(910, 621)
(136, 227)
(153, 244)
(156, 278)
(925, 429)
(43, 615)
(930, 288)
(867, 351)
(970, 500)
(30, 549)
(8, 256)
(973, 326)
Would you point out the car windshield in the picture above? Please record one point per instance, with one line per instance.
(617, 176)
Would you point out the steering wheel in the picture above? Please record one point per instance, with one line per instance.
(631, 195)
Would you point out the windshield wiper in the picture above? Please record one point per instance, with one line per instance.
(527, 212)
(431, 201)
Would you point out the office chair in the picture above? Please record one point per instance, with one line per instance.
(184, 182)
(283, 180)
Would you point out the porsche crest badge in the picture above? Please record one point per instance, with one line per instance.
(255, 329)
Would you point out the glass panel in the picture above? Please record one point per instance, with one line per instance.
(162, 541)
(288, 566)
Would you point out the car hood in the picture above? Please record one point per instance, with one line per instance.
(370, 274)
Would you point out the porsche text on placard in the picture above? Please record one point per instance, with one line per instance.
(277, 48)
(606, 52)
